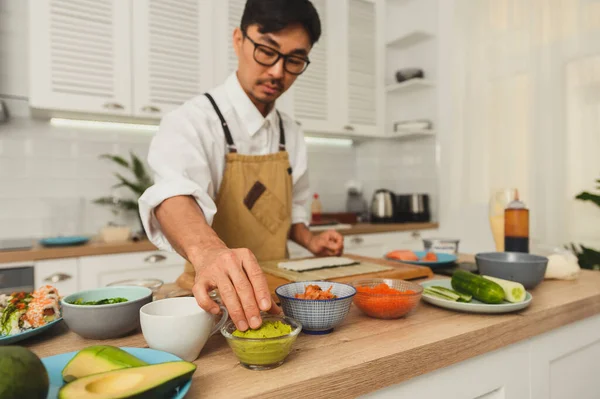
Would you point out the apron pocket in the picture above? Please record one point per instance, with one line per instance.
(265, 207)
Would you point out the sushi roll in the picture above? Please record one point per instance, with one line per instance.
(44, 307)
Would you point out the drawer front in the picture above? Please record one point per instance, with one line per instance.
(59, 273)
(136, 260)
(168, 274)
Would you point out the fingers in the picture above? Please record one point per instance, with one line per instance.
(257, 279)
(200, 291)
(245, 292)
(231, 301)
(276, 310)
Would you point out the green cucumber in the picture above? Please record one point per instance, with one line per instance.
(435, 294)
(481, 288)
(447, 291)
(513, 291)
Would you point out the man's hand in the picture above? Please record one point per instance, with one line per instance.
(328, 243)
(241, 283)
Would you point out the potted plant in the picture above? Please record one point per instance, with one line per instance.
(139, 181)
(588, 258)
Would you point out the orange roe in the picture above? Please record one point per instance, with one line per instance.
(385, 302)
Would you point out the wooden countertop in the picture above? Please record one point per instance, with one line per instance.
(39, 252)
(364, 354)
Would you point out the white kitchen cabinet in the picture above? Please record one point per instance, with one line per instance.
(503, 374)
(172, 54)
(62, 274)
(342, 91)
(363, 105)
(80, 56)
(98, 271)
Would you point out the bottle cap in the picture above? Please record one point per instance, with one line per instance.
(316, 196)
(516, 203)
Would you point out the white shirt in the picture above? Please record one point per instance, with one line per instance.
(187, 155)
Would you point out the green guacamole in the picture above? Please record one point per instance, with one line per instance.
(269, 329)
(268, 352)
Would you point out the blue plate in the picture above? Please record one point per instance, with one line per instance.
(55, 364)
(64, 241)
(10, 339)
(444, 260)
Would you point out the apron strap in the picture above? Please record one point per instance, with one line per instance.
(230, 144)
(281, 133)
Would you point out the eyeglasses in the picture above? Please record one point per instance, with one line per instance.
(268, 56)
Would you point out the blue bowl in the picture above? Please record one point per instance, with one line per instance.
(105, 321)
(316, 316)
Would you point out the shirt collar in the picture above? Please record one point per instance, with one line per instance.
(245, 108)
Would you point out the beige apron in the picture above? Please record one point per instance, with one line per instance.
(254, 202)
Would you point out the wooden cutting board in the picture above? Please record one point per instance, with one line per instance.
(398, 270)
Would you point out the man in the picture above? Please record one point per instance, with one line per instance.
(231, 180)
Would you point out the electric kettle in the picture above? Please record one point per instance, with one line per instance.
(383, 206)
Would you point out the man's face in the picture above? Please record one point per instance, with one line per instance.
(264, 84)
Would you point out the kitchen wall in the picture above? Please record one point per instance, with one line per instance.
(49, 175)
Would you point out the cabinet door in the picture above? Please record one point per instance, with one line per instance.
(98, 271)
(314, 92)
(363, 88)
(59, 273)
(80, 55)
(172, 54)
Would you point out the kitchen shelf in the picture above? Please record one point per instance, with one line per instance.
(408, 39)
(413, 134)
(409, 85)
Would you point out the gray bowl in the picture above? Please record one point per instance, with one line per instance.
(523, 268)
(105, 321)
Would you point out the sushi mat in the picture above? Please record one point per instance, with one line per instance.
(325, 269)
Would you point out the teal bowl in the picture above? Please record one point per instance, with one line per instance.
(105, 321)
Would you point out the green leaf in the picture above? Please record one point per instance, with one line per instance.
(585, 196)
(129, 205)
(140, 172)
(588, 258)
(104, 201)
(136, 188)
(115, 158)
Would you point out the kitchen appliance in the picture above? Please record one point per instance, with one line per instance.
(16, 244)
(355, 203)
(411, 208)
(383, 207)
(16, 278)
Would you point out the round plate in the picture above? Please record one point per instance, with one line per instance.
(474, 306)
(55, 364)
(443, 260)
(63, 241)
(10, 339)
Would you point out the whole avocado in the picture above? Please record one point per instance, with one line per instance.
(22, 374)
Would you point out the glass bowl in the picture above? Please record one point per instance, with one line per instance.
(262, 353)
(387, 305)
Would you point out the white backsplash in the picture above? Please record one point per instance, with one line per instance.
(50, 175)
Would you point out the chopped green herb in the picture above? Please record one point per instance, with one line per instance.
(107, 301)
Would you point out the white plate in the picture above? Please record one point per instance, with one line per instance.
(474, 306)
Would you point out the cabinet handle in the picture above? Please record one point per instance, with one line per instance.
(349, 128)
(357, 240)
(113, 106)
(58, 277)
(155, 258)
(151, 108)
(298, 123)
(416, 234)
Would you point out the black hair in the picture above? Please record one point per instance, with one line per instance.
(275, 15)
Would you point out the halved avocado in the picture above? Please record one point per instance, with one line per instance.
(148, 382)
(99, 359)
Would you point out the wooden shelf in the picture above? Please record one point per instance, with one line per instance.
(409, 85)
(408, 39)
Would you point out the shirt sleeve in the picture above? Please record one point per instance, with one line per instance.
(301, 186)
(180, 166)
